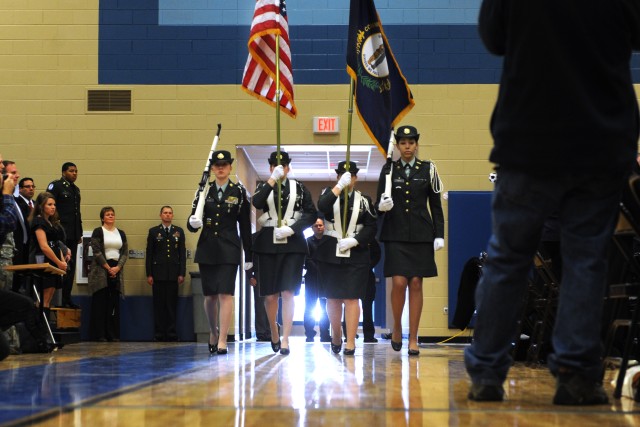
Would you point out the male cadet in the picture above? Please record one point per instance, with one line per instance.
(67, 196)
(166, 266)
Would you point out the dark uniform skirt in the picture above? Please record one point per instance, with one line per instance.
(280, 272)
(343, 281)
(218, 278)
(409, 259)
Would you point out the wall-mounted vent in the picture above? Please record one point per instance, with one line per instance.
(108, 100)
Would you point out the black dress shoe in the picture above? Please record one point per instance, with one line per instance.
(284, 351)
(349, 351)
(336, 348)
(370, 339)
(275, 346)
(222, 351)
(213, 348)
(397, 346)
(413, 352)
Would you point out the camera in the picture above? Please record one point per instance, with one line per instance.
(5, 176)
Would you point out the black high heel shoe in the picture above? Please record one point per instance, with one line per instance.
(413, 352)
(396, 346)
(222, 351)
(336, 347)
(275, 346)
(285, 351)
(349, 351)
(213, 348)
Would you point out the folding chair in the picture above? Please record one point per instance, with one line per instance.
(540, 309)
(628, 225)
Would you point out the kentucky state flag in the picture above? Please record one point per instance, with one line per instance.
(382, 94)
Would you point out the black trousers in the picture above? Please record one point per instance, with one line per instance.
(105, 310)
(67, 280)
(165, 306)
(261, 322)
(15, 308)
(311, 295)
(368, 328)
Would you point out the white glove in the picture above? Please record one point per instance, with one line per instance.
(283, 232)
(386, 204)
(195, 222)
(344, 181)
(438, 244)
(347, 243)
(248, 266)
(278, 173)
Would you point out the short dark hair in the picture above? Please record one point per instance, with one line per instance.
(166, 206)
(67, 165)
(8, 162)
(104, 211)
(21, 182)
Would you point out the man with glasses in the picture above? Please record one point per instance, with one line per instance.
(24, 200)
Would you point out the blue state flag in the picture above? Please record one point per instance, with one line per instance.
(382, 93)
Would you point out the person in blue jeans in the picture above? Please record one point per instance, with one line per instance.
(565, 130)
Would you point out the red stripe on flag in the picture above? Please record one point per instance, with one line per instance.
(259, 78)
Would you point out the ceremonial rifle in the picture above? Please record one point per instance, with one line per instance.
(205, 177)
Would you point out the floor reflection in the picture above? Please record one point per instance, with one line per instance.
(147, 384)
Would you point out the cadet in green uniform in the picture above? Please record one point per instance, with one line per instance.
(67, 196)
(219, 247)
(344, 278)
(166, 266)
(411, 233)
(282, 248)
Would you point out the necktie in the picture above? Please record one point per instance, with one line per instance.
(30, 205)
(407, 169)
(220, 193)
(166, 231)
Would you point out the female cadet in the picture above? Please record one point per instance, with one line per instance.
(410, 233)
(343, 260)
(218, 252)
(281, 245)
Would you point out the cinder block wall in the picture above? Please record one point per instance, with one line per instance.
(139, 161)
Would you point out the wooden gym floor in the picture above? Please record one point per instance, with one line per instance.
(179, 384)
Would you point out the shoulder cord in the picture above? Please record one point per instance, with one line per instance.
(436, 182)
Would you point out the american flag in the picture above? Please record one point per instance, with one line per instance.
(259, 78)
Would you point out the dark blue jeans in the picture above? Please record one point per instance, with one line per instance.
(588, 206)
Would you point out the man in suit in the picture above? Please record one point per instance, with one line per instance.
(67, 196)
(312, 288)
(24, 200)
(166, 266)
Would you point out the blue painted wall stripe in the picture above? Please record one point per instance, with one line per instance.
(318, 12)
(134, 49)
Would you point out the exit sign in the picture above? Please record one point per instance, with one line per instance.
(326, 125)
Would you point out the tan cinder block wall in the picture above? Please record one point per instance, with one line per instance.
(153, 156)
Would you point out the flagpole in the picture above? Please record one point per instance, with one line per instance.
(278, 96)
(348, 157)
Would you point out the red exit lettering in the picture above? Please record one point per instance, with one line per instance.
(327, 124)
